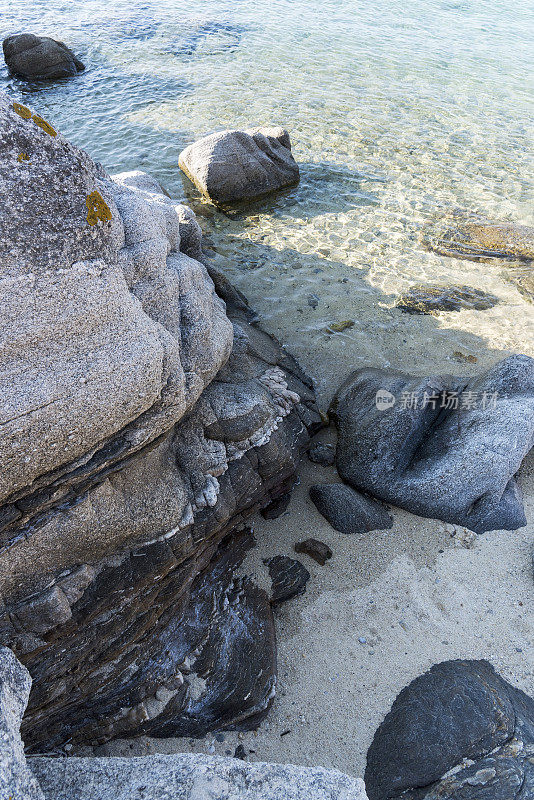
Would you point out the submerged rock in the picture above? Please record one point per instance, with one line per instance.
(16, 780)
(481, 240)
(441, 447)
(315, 549)
(459, 730)
(189, 776)
(431, 299)
(289, 578)
(238, 165)
(349, 511)
(145, 417)
(33, 56)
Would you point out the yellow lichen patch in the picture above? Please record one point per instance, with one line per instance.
(97, 208)
(44, 125)
(23, 157)
(22, 111)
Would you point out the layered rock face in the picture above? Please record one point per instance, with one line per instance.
(142, 420)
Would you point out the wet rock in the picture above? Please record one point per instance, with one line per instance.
(289, 578)
(422, 450)
(16, 780)
(349, 511)
(240, 165)
(149, 418)
(315, 549)
(323, 454)
(459, 730)
(33, 56)
(431, 299)
(276, 507)
(189, 776)
(482, 240)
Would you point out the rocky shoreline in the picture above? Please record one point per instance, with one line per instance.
(147, 416)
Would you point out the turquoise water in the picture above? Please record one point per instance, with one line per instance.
(399, 113)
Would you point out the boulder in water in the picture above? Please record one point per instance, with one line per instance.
(236, 165)
(33, 56)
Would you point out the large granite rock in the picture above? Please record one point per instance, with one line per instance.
(189, 777)
(441, 447)
(144, 417)
(240, 165)
(16, 780)
(33, 56)
(458, 731)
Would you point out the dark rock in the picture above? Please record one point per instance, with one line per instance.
(323, 454)
(276, 507)
(430, 299)
(315, 549)
(349, 511)
(289, 578)
(39, 57)
(416, 450)
(458, 710)
(16, 780)
(240, 752)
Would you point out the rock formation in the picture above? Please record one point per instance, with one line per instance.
(143, 419)
(16, 780)
(33, 56)
(458, 731)
(240, 165)
(349, 511)
(443, 447)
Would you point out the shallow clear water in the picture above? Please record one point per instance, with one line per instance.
(399, 113)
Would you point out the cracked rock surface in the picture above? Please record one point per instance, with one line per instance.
(145, 416)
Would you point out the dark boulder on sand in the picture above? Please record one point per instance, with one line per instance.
(347, 510)
(458, 731)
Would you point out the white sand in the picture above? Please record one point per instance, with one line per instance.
(417, 596)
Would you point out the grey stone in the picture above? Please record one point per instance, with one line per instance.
(323, 454)
(145, 417)
(190, 232)
(16, 780)
(289, 578)
(189, 777)
(238, 165)
(39, 57)
(459, 730)
(454, 464)
(349, 511)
